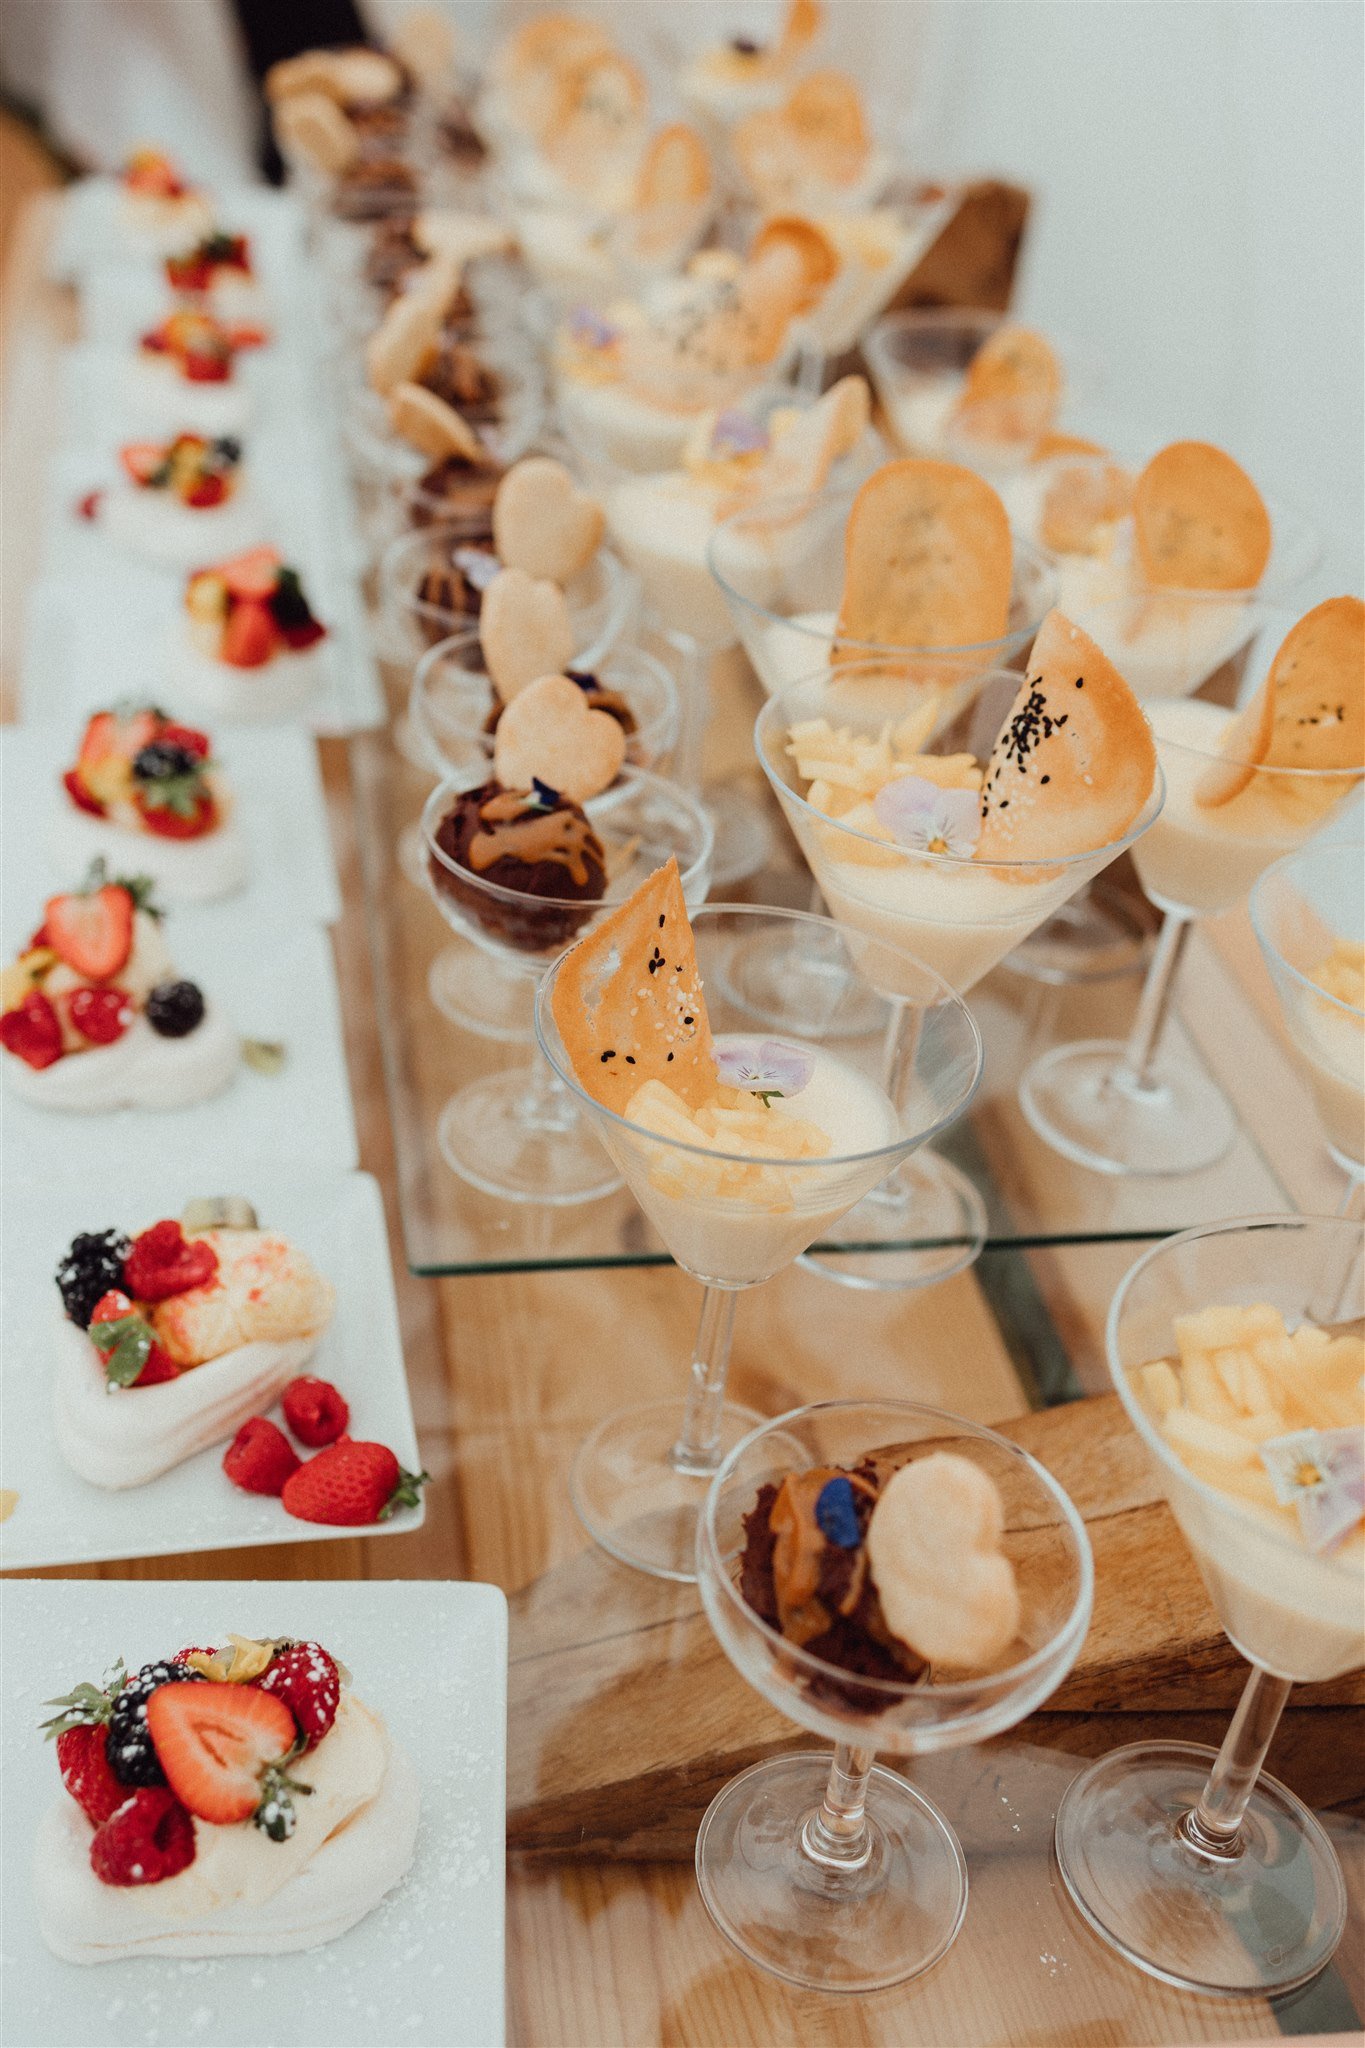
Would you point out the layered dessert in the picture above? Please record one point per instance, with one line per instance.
(176, 499)
(1327, 1024)
(173, 1337)
(145, 788)
(1268, 1420)
(217, 272)
(744, 74)
(233, 1801)
(185, 372)
(94, 1017)
(990, 401)
(251, 647)
(158, 209)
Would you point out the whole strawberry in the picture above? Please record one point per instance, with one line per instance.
(83, 1760)
(305, 1677)
(315, 1411)
(149, 1838)
(350, 1484)
(260, 1458)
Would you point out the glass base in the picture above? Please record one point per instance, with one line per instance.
(1092, 938)
(744, 839)
(412, 855)
(927, 1213)
(634, 1501)
(1079, 1100)
(1262, 1922)
(503, 1137)
(473, 990)
(810, 991)
(830, 1930)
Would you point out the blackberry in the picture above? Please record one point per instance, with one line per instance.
(228, 449)
(289, 606)
(159, 760)
(132, 1757)
(174, 1009)
(92, 1265)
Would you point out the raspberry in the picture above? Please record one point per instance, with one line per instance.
(32, 1031)
(315, 1411)
(146, 1840)
(260, 1457)
(161, 1262)
(101, 1015)
(305, 1677)
(83, 1760)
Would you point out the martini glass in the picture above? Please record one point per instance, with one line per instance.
(918, 360)
(1300, 909)
(832, 1871)
(1145, 1107)
(1192, 1863)
(733, 1220)
(520, 1134)
(960, 915)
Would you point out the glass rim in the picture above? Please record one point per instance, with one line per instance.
(914, 856)
(1274, 952)
(1225, 1503)
(1077, 1619)
(1281, 771)
(807, 1165)
(465, 636)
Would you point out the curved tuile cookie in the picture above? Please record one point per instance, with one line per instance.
(802, 455)
(1083, 499)
(818, 136)
(934, 1550)
(675, 170)
(1074, 762)
(310, 71)
(543, 523)
(927, 559)
(550, 734)
(628, 1000)
(1012, 388)
(805, 19)
(815, 254)
(530, 68)
(312, 126)
(403, 340)
(601, 113)
(434, 428)
(424, 44)
(1053, 443)
(1310, 710)
(459, 237)
(1199, 521)
(365, 77)
(524, 631)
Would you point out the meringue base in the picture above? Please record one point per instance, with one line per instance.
(141, 1070)
(277, 689)
(158, 526)
(218, 863)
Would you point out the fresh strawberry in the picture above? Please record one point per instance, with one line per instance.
(186, 736)
(192, 1650)
(315, 1411)
(305, 1677)
(32, 1031)
(170, 824)
(80, 795)
(101, 1015)
(112, 1304)
(132, 1357)
(248, 337)
(163, 1262)
(143, 460)
(147, 1839)
(350, 1484)
(253, 574)
(83, 1760)
(207, 367)
(206, 491)
(88, 507)
(92, 931)
(260, 1457)
(251, 637)
(217, 1744)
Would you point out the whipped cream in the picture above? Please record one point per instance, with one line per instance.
(141, 1070)
(277, 689)
(217, 863)
(155, 524)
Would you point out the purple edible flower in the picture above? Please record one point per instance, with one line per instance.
(918, 814)
(765, 1067)
(591, 329)
(836, 1513)
(478, 566)
(735, 433)
(1320, 1473)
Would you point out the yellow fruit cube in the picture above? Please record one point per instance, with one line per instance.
(1209, 1438)
(1157, 1387)
(1203, 1389)
(1213, 1329)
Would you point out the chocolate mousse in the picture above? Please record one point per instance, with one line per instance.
(460, 377)
(450, 593)
(455, 488)
(535, 843)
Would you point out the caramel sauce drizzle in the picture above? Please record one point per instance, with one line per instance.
(535, 835)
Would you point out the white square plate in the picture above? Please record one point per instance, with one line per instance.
(60, 1519)
(280, 808)
(426, 1966)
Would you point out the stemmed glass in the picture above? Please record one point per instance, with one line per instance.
(733, 1221)
(918, 360)
(1144, 1107)
(960, 915)
(835, 1872)
(1192, 1863)
(1300, 910)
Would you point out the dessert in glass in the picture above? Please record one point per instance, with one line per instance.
(813, 152)
(742, 74)
(741, 1148)
(1308, 912)
(890, 1577)
(972, 386)
(947, 816)
(574, 248)
(1243, 789)
(1237, 1351)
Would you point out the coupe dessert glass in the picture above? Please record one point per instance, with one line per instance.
(733, 1221)
(520, 1134)
(1144, 1107)
(835, 1872)
(1304, 910)
(918, 360)
(959, 915)
(1191, 1862)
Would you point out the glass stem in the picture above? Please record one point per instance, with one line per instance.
(547, 1104)
(697, 1450)
(836, 1834)
(1154, 1002)
(1212, 1826)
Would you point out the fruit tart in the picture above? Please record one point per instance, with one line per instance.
(185, 372)
(94, 1017)
(175, 499)
(250, 647)
(233, 1801)
(174, 1337)
(217, 271)
(159, 209)
(145, 789)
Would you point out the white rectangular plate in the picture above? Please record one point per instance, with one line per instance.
(281, 810)
(426, 1966)
(60, 1519)
(89, 236)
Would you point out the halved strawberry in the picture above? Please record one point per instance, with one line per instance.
(92, 933)
(100, 739)
(206, 491)
(252, 636)
(253, 574)
(217, 1743)
(142, 460)
(187, 736)
(170, 824)
(80, 796)
(207, 368)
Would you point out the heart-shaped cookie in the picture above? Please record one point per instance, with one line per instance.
(432, 427)
(524, 630)
(933, 1544)
(403, 341)
(543, 523)
(548, 734)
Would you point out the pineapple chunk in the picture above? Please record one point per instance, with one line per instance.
(1214, 1329)
(1204, 1390)
(1249, 1483)
(1210, 1439)
(1261, 1426)
(1231, 1365)
(1157, 1387)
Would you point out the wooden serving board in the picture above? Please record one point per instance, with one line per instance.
(626, 1717)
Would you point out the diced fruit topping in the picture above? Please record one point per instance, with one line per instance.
(175, 1008)
(91, 1267)
(101, 1015)
(206, 491)
(149, 1838)
(223, 1748)
(83, 1760)
(315, 1411)
(132, 1752)
(92, 930)
(350, 1484)
(162, 1262)
(260, 1457)
(124, 1339)
(206, 597)
(305, 1677)
(253, 574)
(32, 1031)
(149, 172)
(251, 638)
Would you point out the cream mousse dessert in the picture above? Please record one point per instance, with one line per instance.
(159, 211)
(1269, 1422)
(217, 1802)
(573, 252)
(172, 1338)
(813, 151)
(743, 75)
(1327, 1025)
(93, 1016)
(177, 501)
(250, 644)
